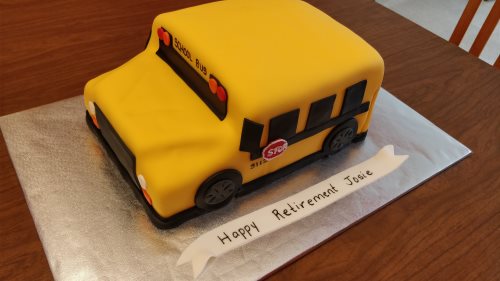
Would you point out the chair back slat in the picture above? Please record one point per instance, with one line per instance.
(486, 30)
(464, 21)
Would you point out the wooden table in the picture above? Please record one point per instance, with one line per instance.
(449, 228)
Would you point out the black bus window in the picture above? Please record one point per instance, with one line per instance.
(320, 112)
(283, 126)
(353, 97)
(250, 136)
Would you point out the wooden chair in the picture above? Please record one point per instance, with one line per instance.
(485, 31)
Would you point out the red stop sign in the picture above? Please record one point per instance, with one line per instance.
(274, 149)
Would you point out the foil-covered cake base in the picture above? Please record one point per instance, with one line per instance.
(93, 228)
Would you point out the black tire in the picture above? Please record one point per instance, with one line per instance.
(218, 190)
(340, 137)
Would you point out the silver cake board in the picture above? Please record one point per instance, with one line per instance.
(93, 228)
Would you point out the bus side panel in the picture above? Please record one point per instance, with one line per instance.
(374, 82)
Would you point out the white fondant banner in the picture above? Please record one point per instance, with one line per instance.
(280, 214)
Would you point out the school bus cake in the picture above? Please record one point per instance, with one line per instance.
(228, 96)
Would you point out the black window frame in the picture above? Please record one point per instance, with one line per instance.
(191, 77)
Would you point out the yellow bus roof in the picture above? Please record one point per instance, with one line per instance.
(269, 54)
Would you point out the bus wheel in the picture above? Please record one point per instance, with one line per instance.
(341, 136)
(218, 190)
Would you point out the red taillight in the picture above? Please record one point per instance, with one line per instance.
(160, 33)
(221, 94)
(164, 36)
(217, 89)
(212, 83)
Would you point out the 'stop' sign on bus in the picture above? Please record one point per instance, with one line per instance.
(274, 149)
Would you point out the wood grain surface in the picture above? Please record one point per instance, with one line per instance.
(447, 229)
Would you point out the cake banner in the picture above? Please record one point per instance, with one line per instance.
(268, 219)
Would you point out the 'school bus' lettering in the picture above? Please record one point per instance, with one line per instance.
(187, 54)
(201, 67)
(183, 50)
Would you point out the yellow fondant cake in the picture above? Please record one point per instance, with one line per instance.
(229, 95)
